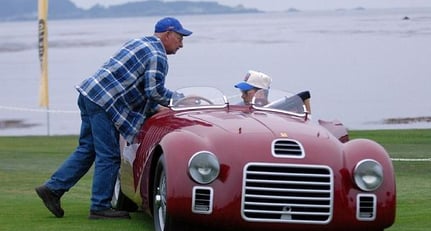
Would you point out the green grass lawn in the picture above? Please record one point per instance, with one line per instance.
(26, 162)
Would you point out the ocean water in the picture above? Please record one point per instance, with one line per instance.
(361, 67)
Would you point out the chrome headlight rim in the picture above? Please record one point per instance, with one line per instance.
(204, 167)
(368, 175)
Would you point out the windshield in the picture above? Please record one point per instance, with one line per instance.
(284, 101)
(210, 97)
(198, 97)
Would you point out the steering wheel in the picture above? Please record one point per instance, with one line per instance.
(192, 101)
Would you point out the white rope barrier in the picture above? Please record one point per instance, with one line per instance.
(75, 111)
(411, 159)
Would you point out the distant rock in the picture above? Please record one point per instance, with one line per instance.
(359, 8)
(408, 120)
(14, 123)
(292, 10)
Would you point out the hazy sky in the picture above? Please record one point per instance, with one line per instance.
(271, 5)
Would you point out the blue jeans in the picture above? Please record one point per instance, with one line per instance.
(98, 143)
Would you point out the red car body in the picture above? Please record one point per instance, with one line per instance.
(277, 171)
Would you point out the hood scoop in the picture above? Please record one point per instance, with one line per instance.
(287, 148)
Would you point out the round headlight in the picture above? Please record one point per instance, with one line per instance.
(204, 167)
(368, 175)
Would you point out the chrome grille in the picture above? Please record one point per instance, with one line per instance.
(287, 193)
(287, 148)
(202, 200)
(366, 207)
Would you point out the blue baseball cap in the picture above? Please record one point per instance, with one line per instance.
(243, 86)
(171, 24)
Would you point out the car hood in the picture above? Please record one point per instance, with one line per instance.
(266, 124)
(231, 134)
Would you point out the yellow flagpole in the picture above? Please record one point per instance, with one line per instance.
(43, 53)
(43, 57)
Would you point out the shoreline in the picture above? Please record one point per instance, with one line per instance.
(408, 120)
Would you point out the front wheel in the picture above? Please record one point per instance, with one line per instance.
(120, 201)
(162, 220)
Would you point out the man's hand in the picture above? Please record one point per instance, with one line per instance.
(162, 108)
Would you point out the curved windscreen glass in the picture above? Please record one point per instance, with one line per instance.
(197, 97)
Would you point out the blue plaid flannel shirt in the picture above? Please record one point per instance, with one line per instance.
(131, 84)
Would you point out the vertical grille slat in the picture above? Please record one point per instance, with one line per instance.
(287, 193)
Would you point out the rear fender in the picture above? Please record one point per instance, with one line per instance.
(337, 129)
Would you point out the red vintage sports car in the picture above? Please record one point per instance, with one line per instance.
(209, 163)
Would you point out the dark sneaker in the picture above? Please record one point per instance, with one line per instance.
(109, 214)
(51, 200)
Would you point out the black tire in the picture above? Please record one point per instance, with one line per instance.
(161, 219)
(120, 201)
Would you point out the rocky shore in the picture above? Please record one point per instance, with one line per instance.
(408, 120)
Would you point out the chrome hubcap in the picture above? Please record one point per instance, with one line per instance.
(160, 201)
